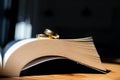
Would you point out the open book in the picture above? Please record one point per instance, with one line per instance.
(27, 53)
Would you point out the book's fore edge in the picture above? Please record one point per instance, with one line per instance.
(15, 47)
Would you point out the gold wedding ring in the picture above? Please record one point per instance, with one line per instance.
(48, 34)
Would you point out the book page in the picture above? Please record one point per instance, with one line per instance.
(81, 52)
(0, 61)
(86, 39)
(14, 47)
(41, 60)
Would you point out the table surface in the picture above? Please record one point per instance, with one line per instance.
(113, 75)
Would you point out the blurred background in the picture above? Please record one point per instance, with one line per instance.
(69, 18)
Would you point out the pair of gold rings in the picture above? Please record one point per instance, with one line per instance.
(48, 34)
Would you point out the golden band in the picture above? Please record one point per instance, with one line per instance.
(49, 34)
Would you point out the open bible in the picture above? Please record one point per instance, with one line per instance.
(27, 53)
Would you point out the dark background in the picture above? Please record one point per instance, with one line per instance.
(69, 18)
